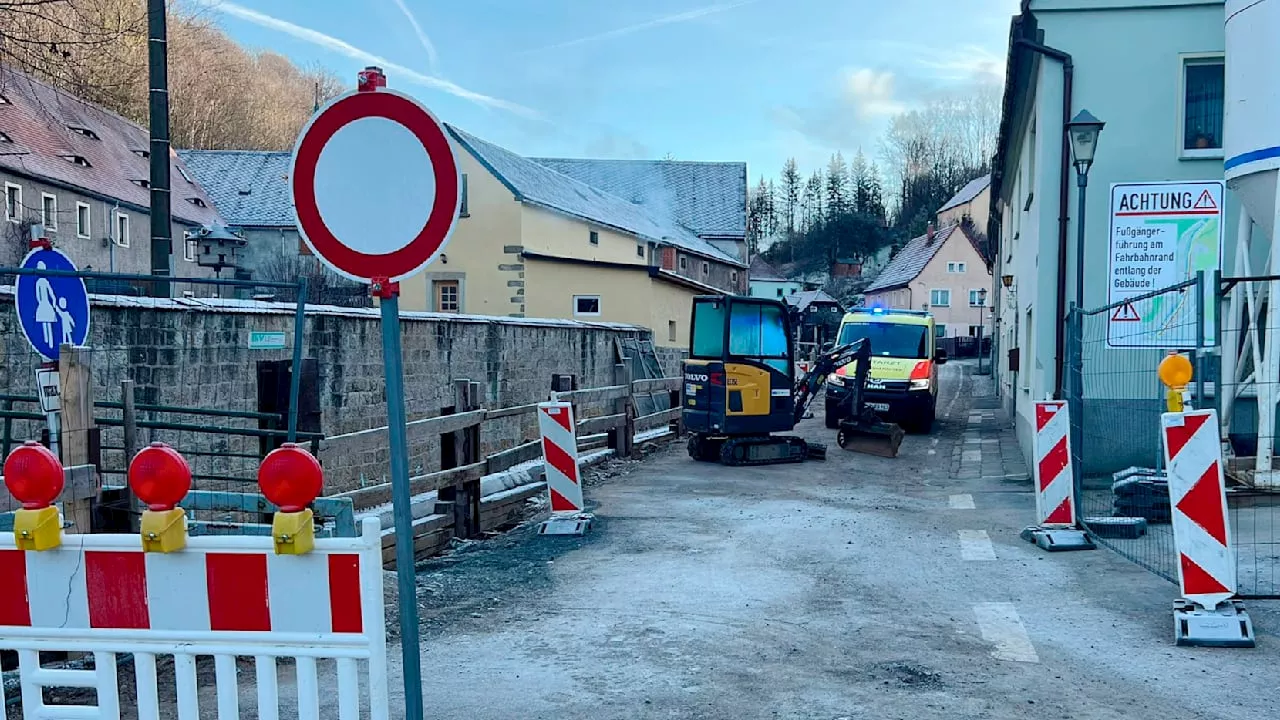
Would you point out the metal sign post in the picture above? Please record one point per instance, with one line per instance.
(376, 191)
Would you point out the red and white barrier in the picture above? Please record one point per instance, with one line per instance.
(1053, 472)
(564, 475)
(560, 455)
(1197, 494)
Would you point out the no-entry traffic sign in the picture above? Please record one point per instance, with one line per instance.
(376, 186)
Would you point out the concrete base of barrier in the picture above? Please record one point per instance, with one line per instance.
(1117, 528)
(1227, 625)
(1058, 539)
(567, 524)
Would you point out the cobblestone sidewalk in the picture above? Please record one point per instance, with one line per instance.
(987, 448)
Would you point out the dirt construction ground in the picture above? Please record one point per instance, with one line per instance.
(858, 587)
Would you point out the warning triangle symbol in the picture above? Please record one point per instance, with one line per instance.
(1125, 313)
(1205, 202)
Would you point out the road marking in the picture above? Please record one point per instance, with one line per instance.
(975, 545)
(971, 456)
(1001, 626)
(962, 502)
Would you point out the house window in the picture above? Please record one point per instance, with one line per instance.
(940, 298)
(13, 202)
(462, 209)
(684, 263)
(190, 250)
(84, 220)
(122, 230)
(706, 269)
(83, 131)
(447, 296)
(976, 299)
(1202, 102)
(595, 238)
(733, 278)
(671, 330)
(956, 267)
(586, 305)
(49, 212)
(639, 251)
(940, 331)
(779, 292)
(973, 331)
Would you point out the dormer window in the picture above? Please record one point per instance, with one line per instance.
(80, 160)
(4, 137)
(144, 154)
(4, 100)
(79, 130)
(197, 202)
(142, 183)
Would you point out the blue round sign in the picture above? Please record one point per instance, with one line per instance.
(53, 311)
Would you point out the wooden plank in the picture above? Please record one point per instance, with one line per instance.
(590, 395)
(508, 459)
(508, 507)
(656, 385)
(604, 423)
(381, 494)
(511, 411)
(658, 419)
(76, 402)
(621, 437)
(595, 442)
(445, 424)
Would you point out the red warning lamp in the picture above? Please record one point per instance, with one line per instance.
(290, 477)
(33, 475)
(160, 477)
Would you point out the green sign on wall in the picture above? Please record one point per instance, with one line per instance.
(266, 340)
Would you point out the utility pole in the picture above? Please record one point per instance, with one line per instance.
(158, 120)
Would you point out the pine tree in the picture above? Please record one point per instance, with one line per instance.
(790, 195)
(837, 187)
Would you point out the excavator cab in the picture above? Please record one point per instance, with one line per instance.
(739, 382)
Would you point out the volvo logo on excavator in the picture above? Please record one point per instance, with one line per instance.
(696, 377)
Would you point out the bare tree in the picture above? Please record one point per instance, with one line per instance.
(323, 286)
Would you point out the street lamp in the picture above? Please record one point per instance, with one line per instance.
(1083, 131)
(982, 306)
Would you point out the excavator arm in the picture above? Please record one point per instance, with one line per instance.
(827, 362)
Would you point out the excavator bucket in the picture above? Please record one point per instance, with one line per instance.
(870, 437)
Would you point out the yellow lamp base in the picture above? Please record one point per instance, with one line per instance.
(164, 531)
(37, 529)
(294, 533)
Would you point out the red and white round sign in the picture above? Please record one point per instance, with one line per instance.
(376, 187)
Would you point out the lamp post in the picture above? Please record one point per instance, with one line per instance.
(982, 306)
(1083, 131)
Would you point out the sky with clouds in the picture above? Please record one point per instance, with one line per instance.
(747, 80)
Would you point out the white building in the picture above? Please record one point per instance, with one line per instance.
(765, 281)
(1152, 70)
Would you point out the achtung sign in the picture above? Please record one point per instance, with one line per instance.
(1162, 234)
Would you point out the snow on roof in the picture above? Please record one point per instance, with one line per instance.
(709, 198)
(539, 185)
(761, 270)
(802, 300)
(967, 193)
(911, 260)
(249, 187)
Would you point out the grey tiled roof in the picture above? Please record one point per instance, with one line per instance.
(249, 187)
(761, 270)
(967, 193)
(537, 184)
(802, 300)
(709, 198)
(911, 259)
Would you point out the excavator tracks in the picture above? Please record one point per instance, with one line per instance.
(754, 450)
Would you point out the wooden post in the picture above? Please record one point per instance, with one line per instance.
(78, 429)
(130, 420)
(622, 438)
(462, 499)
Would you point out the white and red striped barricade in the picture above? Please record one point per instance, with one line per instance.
(1206, 613)
(162, 593)
(1054, 477)
(557, 426)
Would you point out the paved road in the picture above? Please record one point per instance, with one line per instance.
(856, 588)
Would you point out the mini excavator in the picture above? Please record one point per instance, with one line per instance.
(740, 387)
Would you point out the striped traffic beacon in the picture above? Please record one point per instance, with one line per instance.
(1206, 614)
(162, 594)
(1055, 527)
(557, 426)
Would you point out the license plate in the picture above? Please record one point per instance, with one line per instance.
(879, 407)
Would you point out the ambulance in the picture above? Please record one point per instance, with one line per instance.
(902, 385)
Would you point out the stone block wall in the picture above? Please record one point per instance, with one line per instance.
(195, 353)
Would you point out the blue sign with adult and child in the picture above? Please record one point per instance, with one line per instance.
(52, 310)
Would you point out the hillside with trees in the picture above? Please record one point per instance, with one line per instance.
(222, 96)
(853, 209)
